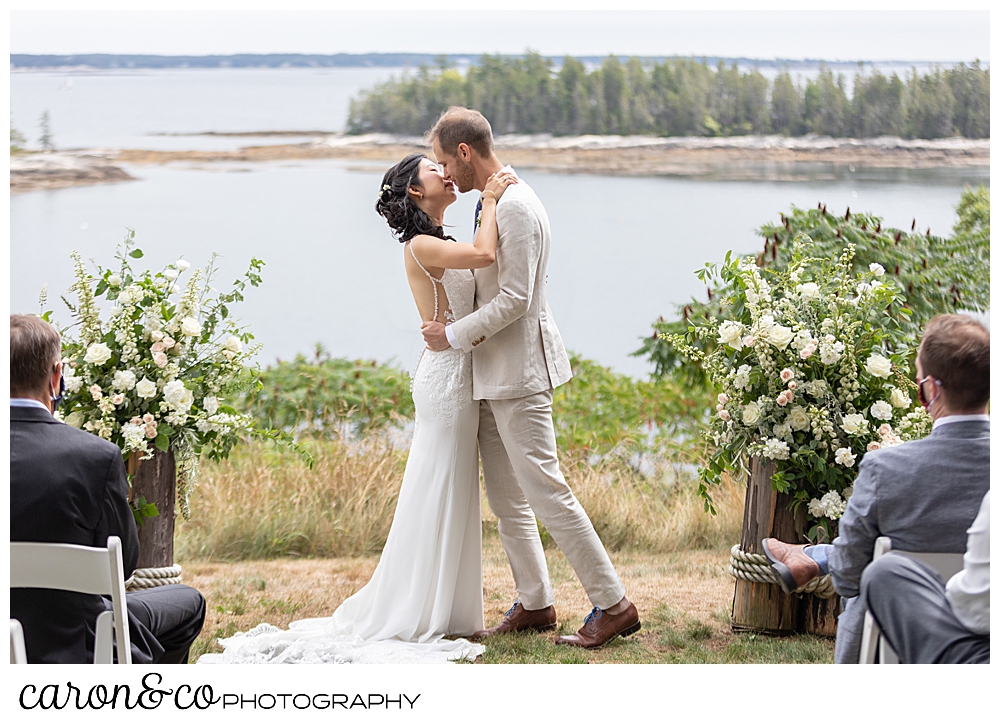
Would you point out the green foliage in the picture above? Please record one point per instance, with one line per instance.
(143, 510)
(17, 140)
(331, 397)
(45, 133)
(601, 412)
(678, 97)
(938, 275)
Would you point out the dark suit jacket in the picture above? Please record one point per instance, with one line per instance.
(67, 486)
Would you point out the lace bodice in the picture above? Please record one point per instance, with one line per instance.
(446, 376)
(459, 288)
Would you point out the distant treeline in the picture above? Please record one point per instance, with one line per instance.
(679, 97)
(109, 61)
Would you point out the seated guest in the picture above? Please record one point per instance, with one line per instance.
(68, 486)
(923, 494)
(925, 621)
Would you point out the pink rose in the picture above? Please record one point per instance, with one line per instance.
(118, 399)
(792, 385)
(151, 431)
(95, 392)
(873, 446)
(147, 419)
(782, 400)
(724, 414)
(157, 347)
(168, 342)
(786, 374)
(160, 359)
(156, 335)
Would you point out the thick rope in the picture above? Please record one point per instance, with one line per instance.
(756, 568)
(153, 577)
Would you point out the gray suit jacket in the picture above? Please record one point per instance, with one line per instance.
(516, 347)
(923, 495)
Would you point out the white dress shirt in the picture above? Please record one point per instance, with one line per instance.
(968, 591)
(26, 402)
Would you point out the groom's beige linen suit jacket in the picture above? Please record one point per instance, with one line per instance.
(518, 359)
(516, 347)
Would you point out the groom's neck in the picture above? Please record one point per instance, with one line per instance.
(486, 168)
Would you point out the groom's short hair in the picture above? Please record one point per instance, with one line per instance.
(34, 350)
(462, 125)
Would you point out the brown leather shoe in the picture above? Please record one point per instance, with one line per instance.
(518, 618)
(794, 568)
(600, 627)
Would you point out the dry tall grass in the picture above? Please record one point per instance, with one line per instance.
(263, 503)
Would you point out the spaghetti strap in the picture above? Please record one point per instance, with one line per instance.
(434, 282)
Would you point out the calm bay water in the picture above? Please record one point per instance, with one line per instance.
(624, 249)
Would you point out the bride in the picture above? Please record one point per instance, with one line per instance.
(429, 581)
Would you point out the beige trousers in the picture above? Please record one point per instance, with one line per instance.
(517, 445)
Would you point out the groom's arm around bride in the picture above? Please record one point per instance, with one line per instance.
(518, 358)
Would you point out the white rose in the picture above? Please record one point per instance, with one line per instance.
(878, 366)
(170, 274)
(233, 344)
(844, 457)
(114, 280)
(779, 336)
(74, 419)
(853, 424)
(97, 354)
(124, 380)
(210, 405)
(751, 413)
(190, 327)
(731, 333)
(898, 398)
(881, 410)
(173, 392)
(809, 290)
(876, 269)
(798, 418)
(145, 388)
(183, 265)
(783, 430)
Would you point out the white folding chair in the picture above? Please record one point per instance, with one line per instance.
(944, 564)
(82, 569)
(17, 653)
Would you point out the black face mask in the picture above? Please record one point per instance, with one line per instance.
(57, 399)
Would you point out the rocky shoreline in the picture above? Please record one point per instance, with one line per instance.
(735, 158)
(52, 170)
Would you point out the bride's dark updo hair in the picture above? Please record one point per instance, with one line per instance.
(396, 205)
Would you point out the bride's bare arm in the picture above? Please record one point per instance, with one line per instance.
(448, 255)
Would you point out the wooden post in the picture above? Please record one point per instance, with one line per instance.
(155, 480)
(764, 607)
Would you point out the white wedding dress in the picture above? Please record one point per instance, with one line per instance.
(429, 580)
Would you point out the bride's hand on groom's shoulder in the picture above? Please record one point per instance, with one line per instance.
(498, 183)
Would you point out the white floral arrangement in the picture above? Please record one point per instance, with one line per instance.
(158, 372)
(813, 369)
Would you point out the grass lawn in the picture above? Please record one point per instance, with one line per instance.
(683, 599)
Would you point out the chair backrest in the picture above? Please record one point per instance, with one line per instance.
(945, 565)
(65, 567)
(17, 652)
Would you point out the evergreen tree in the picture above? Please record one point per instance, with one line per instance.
(877, 106)
(786, 106)
(970, 87)
(930, 106)
(45, 133)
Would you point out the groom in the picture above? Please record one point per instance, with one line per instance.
(518, 359)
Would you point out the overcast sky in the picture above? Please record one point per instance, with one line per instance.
(854, 31)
